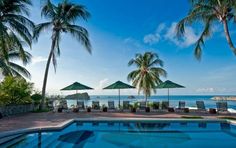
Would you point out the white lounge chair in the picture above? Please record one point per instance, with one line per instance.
(126, 106)
(201, 106)
(111, 106)
(165, 105)
(142, 106)
(222, 107)
(80, 105)
(95, 106)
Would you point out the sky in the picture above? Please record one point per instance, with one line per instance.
(121, 28)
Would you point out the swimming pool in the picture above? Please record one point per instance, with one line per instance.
(136, 134)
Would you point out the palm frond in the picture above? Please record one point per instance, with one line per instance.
(81, 34)
(40, 28)
(200, 42)
(18, 70)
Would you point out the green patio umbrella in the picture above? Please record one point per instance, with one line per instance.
(76, 86)
(119, 85)
(169, 84)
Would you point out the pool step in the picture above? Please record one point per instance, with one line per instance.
(11, 140)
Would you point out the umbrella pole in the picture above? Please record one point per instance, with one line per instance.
(119, 97)
(76, 99)
(168, 95)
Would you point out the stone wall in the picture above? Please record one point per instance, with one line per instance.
(16, 109)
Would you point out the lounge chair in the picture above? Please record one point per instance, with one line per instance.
(65, 108)
(95, 106)
(201, 106)
(162, 107)
(111, 106)
(126, 105)
(181, 107)
(142, 106)
(222, 107)
(80, 105)
(165, 105)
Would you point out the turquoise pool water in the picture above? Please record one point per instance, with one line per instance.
(136, 134)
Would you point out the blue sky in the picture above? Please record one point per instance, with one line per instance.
(119, 29)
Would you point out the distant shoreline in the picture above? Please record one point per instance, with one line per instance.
(224, 98)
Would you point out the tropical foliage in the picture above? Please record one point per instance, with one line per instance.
(15, 32)
(62, 19)
(15, 90)
(37, 97)
(209, 12)
(9, 68)
(147, 75)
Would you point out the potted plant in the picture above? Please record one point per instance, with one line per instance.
(171, 109)
(147, 109)
(89, 109)
(1, 116)
(75, 110)
(59, 110)
(186, 110)
(104, 108)
(133, 108)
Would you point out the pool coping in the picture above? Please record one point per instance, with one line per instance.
(103, 119)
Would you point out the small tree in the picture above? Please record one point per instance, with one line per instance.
(15, 90)
(147, 74)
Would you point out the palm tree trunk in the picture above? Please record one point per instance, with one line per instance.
(42, 105)
(228, 38)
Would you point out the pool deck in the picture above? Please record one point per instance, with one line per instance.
(37, 120)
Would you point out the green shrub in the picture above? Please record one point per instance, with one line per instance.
(136, 105)
(15, 90)
(36, 98)
(150, 104)
(229, 118)
(192, 117)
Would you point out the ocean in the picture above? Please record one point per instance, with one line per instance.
(190, 100)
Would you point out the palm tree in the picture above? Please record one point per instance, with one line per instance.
(209, 12)
(62, 20)
(147, 75)
(10, 68)
(15, 27)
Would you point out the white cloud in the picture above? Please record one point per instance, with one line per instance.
(102, 84)
(38, 59)
(151, 38)
(154, 37)
(168, 33)
(161, 27)
(133, 42)
(189, 38)
(213, 90)
(205, 90)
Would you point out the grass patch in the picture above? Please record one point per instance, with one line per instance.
(228, 118)
(41, 111)
(192, 117)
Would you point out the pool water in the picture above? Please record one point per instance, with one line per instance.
(136, 134)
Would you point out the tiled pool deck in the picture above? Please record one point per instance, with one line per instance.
(32, 120)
